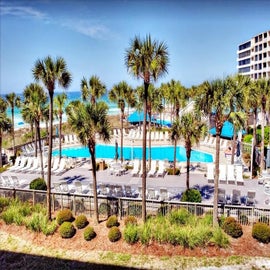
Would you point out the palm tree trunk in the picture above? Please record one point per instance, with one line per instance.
(146, 85)
(13, 132)
(149, 142)
(233, 146)
(1, 164)
(49, 215)
(262, 142)
(174, 156)
(60, 137)
(254, 142)
(36, 138)
(188, 151)
(94, 174)
(40, 149)
(215, 207)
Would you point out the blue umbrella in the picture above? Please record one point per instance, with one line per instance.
(226, 131)
(137, 117)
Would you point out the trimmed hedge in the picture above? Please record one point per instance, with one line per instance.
(114, 234)
(38, 184)
(67, 230)
(191, 195)
(232, 227)
(81, 221)
(64, 215)
(89, 233)
(261, 232)
(112, 222)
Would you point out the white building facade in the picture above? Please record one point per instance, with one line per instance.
(253, 57)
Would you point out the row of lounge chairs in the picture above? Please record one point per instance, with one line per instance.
(228, 174)
(235, 197)
(155, 135)
(157, 168)
(210, 141)
(11, 181)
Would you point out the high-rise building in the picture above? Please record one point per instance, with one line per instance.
(253, 57)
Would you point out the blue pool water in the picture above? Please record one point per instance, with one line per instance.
(129, 152)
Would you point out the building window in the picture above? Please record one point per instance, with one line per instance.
(260, 47)
(265, 45)
(264, 65)
(265, 34)
(244, 70)
(244, 54)
(244, 46)
(264, 55)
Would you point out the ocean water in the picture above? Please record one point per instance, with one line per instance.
(18, 120)
(129, 153)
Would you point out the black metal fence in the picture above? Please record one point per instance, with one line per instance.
(123, 206)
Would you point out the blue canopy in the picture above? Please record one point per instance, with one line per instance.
(226, 131)
(137, 117)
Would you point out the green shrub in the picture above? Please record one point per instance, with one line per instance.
(191, 195)
(179, 216)
(64, 215)
(264, 219)
(170, 171)
(112, 222)
(243, 219)
(145, 233)
(232, 227)
(163, 210)
(4, 202)
(131, 234)
(89, 233)
(135, 209)
(38, 184)
(114, 234)
(81, 221)
(261, 232)
(130, 220)
(104, 209)
(219, 238)
(67, 230)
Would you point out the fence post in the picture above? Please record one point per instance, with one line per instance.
(34, 197)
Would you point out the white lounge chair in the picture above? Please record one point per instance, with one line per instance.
(153, 168)
(222, 196)
(16, 164)
(161, 168)
(230, 174)
(210, 173)
(236, 196)
(163, 194)
(251, 198)
(151, 194)
(136, 168)
(61, 168)
(222, 174)
(239, 175)
(22, 164)
(28, 165)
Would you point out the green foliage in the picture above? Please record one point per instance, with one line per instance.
(112, 222)
(81, 221)
(243, 219)
(89, 233)
(191, 195)
(4, 202)
(104, 209)
(130, 220)
(131, 234)
(114, 234)
(38, 222)
(261, 232)
(264, 219)
(163, 210)
(248, 138)
(179, 216)
(64, 215)
(232, 227)
(219, 238)
(170, 171)
(67, 230)
(135, 209)
(38, 184)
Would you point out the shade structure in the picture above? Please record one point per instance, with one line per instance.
(268, 158)
(226, 131)
(137, 117)
(162, 122)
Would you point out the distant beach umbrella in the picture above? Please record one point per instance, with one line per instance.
(268, 157)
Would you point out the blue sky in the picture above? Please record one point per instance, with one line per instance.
(92, 36)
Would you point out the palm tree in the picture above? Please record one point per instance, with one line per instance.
(13, 101)
(5, 123)
(93, 89)
(119, 94)
(87, 120)
(191, 128)
(50, 72)
(216, 97)
(34, 106)
(146, 59)
(59, 104)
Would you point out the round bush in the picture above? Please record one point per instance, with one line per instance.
(114, 234)
(191, 195)
(261, 232)
(232, 227)
(67, 230)
(131, 234)
(264, 219)
(81, 221)
(112, 222)
(89, 233)
(38, 184)
(130, 220)
(64, 215)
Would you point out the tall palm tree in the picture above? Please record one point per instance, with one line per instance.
(119, 93)
(59, 104)
(215, 97)
(51, 72)
(93, 89)
(13, 101)
(146, 59)
(191, 128)
(5, 123)
(87, 120)
(34, 105)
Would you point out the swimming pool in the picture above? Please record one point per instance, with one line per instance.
(135, 152)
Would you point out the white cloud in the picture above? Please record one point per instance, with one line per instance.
(21, 11)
